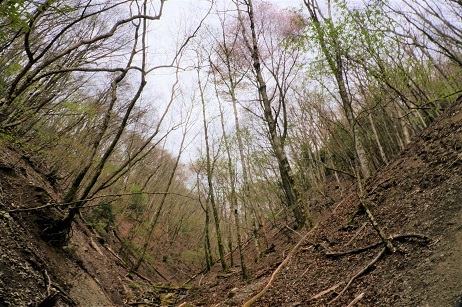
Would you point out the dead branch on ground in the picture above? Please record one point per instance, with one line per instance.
(361, 272)
(357, 233)
(370, 264)
(324, 292)
(353, 251)
(276, 272)
(390, 248)
(357, 299)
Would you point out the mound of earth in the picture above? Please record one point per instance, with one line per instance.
(416, 200)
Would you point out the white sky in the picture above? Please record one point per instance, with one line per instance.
(179, 16)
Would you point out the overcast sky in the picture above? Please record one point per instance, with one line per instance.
(179, 17)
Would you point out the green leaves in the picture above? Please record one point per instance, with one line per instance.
(13, 14)
(138, 199)
(102, 218)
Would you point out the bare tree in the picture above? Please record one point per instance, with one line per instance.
(271, 115)
(327, 37)
(209, 170)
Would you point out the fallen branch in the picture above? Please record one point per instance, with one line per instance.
(326, 291)
(147, 279)
(357, 299)
(379, 185)
(48, 205)
(387, 241)
(193, 277)
(303, 274)
(294, 231)
(410, 235)
(367, 267)
(47, 282)
(256, 297)
(121, 261)
(357, 233)
(96, 247)
(361, 272)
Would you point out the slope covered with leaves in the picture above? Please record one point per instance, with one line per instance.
(159, 176)
(33, 272)
(416, 199)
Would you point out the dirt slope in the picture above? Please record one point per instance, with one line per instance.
(82, 273)
(418, 193)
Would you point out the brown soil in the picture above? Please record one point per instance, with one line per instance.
(418, 193)
(82, 273)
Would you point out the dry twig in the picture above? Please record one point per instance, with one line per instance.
(357, 299)
(324, 292)
(361, 272)
(256, 297)
(357, 233)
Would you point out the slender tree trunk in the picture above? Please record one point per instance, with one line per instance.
(404, 127)
(233, 200)
(377, 140)
(211, 193)
(207, 245)
(154, 221)
(208, 248)
(334, 56)
(71, 196)
(277, 143)
(246, 187)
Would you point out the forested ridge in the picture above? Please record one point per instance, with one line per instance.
(214, 157)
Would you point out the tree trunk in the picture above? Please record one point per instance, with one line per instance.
(233, 200)
(211, 193)
(247, 199)
(277, 143)
(334, 57)
(377, 140)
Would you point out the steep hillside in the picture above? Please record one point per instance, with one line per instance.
(416, 200)
(85, 272)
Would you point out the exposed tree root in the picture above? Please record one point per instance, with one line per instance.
(353, 251)
(370, 264)
(371, 246)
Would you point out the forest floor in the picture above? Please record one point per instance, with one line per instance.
(418, 195)
(33, 272)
